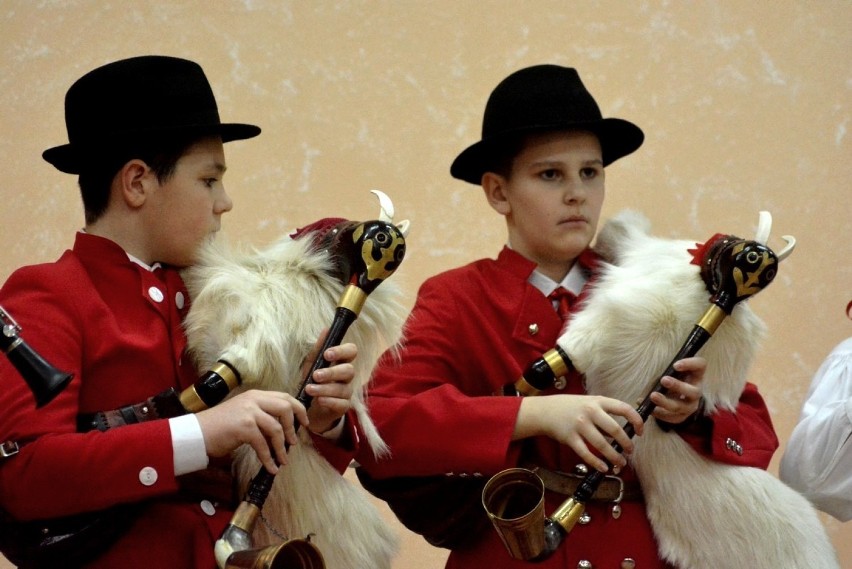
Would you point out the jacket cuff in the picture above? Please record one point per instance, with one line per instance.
(339, 451)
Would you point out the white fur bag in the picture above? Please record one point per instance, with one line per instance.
(263, 311)
(704, 514)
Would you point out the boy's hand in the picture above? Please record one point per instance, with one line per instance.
(580, 421)
(262, 419)
(331, 389)
(266, 419)
(683, 398)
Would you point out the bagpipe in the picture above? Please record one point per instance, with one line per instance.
(650, 295)
(268, 325)
(260, 313)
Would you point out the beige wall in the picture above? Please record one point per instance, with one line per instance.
(746, 106)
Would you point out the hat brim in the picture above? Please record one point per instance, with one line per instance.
(69, 158)
(618, 138)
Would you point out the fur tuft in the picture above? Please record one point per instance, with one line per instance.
(262, 310)
(704, 513)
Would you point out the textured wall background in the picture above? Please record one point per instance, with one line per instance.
(746, 106)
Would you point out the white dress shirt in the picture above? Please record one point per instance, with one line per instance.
(818, 459)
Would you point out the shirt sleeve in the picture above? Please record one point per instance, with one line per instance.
(188, 448)
(818, 458)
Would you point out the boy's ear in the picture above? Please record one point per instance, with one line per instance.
(494, 186)
(134, 180)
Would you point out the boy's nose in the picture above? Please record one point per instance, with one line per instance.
(224, 203)
(574, 192)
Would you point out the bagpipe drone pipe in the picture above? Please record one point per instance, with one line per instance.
(649, 308)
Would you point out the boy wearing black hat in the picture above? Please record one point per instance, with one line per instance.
(146, 141)
(474, 329)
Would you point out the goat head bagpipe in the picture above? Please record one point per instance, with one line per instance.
(649, 308)
(262, 312)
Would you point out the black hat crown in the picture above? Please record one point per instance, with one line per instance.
(139, 97)
(538, 99)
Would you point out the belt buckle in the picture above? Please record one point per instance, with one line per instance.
(8, 448)
(616, 508)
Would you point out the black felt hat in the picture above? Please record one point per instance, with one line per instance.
(538, 99)
(138, 98)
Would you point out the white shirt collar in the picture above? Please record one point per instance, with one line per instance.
(143, 264)
(573, 282)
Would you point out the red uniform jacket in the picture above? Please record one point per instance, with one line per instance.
(473, 330)
(118, 328)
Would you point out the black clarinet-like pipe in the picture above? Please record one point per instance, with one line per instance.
(261, 484)
(236, 538)
(44, 380)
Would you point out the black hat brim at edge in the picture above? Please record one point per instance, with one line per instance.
(617, 137)
(69, 158)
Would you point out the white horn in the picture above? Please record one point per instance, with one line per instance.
(788, 248)
(387, 212)
(386, 206)
(764, 227)
(403, 227)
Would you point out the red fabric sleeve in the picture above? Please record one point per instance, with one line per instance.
(744, 437)
(340, 452)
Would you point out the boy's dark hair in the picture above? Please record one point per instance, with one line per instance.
(96, 177)
(503, 155)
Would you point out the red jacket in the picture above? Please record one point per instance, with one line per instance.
(118, 328)
(473, 330)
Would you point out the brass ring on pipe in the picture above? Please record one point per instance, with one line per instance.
(227, 374)
(352, 299)
(712, 318)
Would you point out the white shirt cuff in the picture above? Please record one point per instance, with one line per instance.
(190, 453)
(335, 432)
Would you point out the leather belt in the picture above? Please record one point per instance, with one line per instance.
(611, 489)
(8, 448)
(163, 405)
